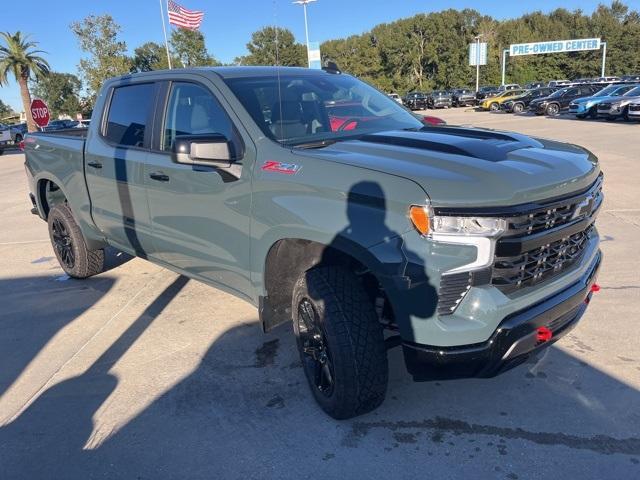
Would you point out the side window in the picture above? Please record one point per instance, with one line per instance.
(193, 110)
(128, 113)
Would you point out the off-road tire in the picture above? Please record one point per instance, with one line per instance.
(86, 263)
(353, 338)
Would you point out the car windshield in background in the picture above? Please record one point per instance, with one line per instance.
(606, 91)
(634, 92)
(311, 109)
(560, 93)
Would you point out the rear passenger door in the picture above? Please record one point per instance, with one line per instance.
(114, 164)
(200, 214)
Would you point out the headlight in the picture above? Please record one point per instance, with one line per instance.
(428, 224)
(616, 106)
(482, 226)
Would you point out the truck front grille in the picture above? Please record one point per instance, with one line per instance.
(548, 252)
(534, 266)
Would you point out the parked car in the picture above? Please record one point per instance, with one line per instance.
(463, 97)
(519, 103)
(416, 101)
(59, 125)
(560, 99)
(430, 120)
(396, 97)
(633, 112)
(439, 99)
(84, 123)
(508, 87)
(486, 92)
(630, 78)
(559, 83)
(532, 85)
(619, 108)
(386, 235)
(606, 79)
(10, 135)
(493, 103)
(588, 106)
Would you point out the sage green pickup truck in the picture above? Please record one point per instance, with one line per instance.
(327, 205)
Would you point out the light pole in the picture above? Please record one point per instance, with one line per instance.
(304, 4)
(477, 39)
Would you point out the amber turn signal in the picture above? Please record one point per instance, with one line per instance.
(419, 219)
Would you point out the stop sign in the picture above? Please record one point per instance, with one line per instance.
(40, 112)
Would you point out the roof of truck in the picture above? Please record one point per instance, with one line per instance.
(236, 71)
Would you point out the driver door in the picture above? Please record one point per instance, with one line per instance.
(199, 214)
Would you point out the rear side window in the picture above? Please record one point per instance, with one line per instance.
(128, 114)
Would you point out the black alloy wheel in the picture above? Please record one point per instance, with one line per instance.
(63, 243)
(317, 360)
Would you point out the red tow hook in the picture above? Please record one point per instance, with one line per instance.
(544, 334)
(594, 289)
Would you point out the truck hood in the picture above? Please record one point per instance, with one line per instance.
(471, 167)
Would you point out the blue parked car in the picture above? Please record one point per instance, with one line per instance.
(587, 106)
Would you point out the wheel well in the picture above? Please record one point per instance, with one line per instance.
(288, 259)
(50, 194)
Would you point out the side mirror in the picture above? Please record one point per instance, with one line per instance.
(210, 149)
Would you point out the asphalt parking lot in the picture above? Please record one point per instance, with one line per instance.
(138, 373)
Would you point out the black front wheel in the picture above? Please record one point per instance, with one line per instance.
(69, 245)
(340, 341)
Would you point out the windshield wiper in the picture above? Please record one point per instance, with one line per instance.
(314, 144)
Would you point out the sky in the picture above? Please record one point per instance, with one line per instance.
(228, 24)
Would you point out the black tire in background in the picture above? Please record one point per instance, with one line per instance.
(69, 246)
(518, 107)
(340, 341)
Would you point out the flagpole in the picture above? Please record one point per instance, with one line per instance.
(164, 30)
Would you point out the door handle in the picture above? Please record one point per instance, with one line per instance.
(94, 164)
(159, 176)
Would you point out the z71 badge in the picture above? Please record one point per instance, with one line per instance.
(279, 167)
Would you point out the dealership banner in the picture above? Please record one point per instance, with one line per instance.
(555, 46)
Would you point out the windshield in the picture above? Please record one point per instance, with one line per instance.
(559, 93)
(302, 109)
(634, 92)
(606, 91)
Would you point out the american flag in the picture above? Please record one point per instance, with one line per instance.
(182, 17)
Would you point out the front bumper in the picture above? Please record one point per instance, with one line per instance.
(441, 104)
(513, 341)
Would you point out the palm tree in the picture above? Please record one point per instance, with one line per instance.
(19, 58)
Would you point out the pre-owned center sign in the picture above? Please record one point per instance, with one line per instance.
(555, 46)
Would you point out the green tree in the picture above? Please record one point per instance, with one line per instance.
(189, 47)
(61, 92)
(151, 56)
(274, 46)
(98, 36)
(19, 59)
(5, 110)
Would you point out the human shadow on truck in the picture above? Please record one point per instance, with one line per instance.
(340, 312)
